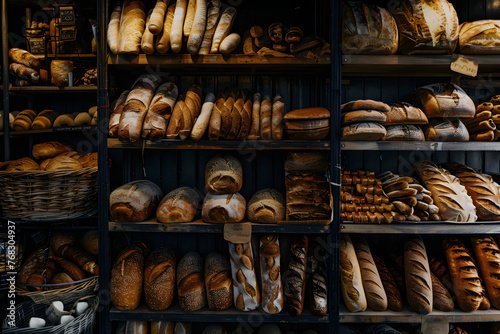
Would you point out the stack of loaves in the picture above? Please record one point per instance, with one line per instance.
(403, 122)
(307, 187)
(307, 124)
(361, 120)
(223, 179)
(24, 67)
(444, 105)
(484, 125)
(201, 26)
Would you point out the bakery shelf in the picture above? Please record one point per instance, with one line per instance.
(68, 55)
(143, 313)
(53, 89)
(409, 316)
(201, 227)
(415, 146)
(411, 66)
(58, 129)
(422, 228)
(221, 145)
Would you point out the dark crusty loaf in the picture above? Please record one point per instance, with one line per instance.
(417, 276)
(446, 129)
(218, 282)
(404, 113)
(266, 206)
(127, 278)
(296, 279)
(190, 282)
(306, 161)
(488, 257)
(159, 278)
(405, 132)
(134, 201)
(479, 37)
(394, 300)
(223, 175)
(441, 298)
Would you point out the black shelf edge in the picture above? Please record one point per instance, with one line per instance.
(143, 313)
(115, 143)
(57, 129)
(53, 89)
(201, 227)
(422, 228)
(415, 146)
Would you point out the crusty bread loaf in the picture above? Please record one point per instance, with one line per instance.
(79, 256)
(350, 277)
(177, 25)
(296, 279)
(63, 163)
(405, 132)
(156, 23)
(394, 300)
(44, 119)
(218, 282)
(134, 201)
(136, 327)
(159, 278)
(441, 298)
(70, 268)
(190, 283)
(266, 206)
(363, 131)
(163, 39)
(90, 242)
(223, 28)
(89, 160)
(246, 291)
(448, 194)
(198, 28)
(357, 116)
(148, 39)
(223, 175)
(61, 278)
(446, 129)
(488, 258)
(364, 105)
(479, 37)
(24, 57)
(227, 208)
(404, 113)
(24, 72)
(180, 205)
(464, 275)
(270, 264)
(372, 284)
(23, 164)
(127, 278)
(59, 72)
(417, 276)
(202, 122)
(49, 150)
(132, 25)
(114, 28)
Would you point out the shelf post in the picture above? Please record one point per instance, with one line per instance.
(5, 79)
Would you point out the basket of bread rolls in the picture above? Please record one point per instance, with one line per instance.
(57, 182)
(65, 270)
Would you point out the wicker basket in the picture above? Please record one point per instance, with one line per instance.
(67, 293)
(83, 324)
(42, 195)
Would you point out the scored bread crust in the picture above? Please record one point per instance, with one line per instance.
(417, 276)
(350, 277)
(266, 206)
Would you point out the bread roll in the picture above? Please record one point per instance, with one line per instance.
(223, 28)
(114, 28)
(212, 20)
(488, 257)
(159, 278)
(79, 256)
(83, 118)
(24, 57)
(156, 23)
(350, 277)
(23, 120)
(245, 288)
(177, 24)
(163, 39)
(132, 25)
(229, 208)
(198, 26)
(179, 206)
(190, 284)
(230, 43)
(134, 201)
(218, 282)
(49, 150)
(464, 275)
(479, 37)
(272, 288)
(266, 206)
(127, 278)
(417, 276)
(223, 175)
(69, 268)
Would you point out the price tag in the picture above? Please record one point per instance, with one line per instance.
(464, 65)
(36, 45)
(68, 34)
(435, 325)
(238, 233)
(66, 15)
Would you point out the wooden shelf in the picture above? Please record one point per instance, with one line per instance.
(51, 130)
(410, 316)
(416, 145)
(54, 89)
(201, 227)
(115, 143)
(411, 66)
(422, 228)
(143, 313)
(70, 55)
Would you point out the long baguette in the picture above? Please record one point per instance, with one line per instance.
(156, 22)
(189, 19)
(350, 277)
(216, 120)
(177, 23)
(254, 131)
(163, 40)
(265, 118)
(159, 111)
(198, 29)
(212, 19)
(235, 119)
(24, 72)
(223, 28)
(277, 117)
(246, 120)
(114, 118)
(175, 124)
(201, 124)
(114, 28)
(488, 257)
(131, 27)
(417, 276)
(148, 39)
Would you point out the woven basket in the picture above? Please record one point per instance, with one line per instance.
(42, 195)
(67, 293)
(83, 324)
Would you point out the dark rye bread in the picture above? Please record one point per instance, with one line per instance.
(218, 282)
(159, 278)
(417, 276)
(294, 290)
(395, 302)
(441, 298)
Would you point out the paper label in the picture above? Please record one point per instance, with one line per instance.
(238, 233)
(464, 65)
(435, 325)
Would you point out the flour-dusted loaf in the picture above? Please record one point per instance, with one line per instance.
(134, 201)
(203, 120)
(24, 57)
(350, 277)
(448, 194)
(363, 131)
(148, 39)
(218, 282)
(223, 175)
(426, 27)
(404, 132)
(223, 28)
(177, 25)
(132, 25)
(225, 208)
(24, 72)
(127, 278)
(266, 206)
(180, 205)
(270, 265)
(488, 258)
(159, 278)
(163, 39)
(159, 111)
(443, 100)
(368, 29)
(245, 285)
(417, 276)
(198, 27)
(479, 37)
(114, 118)
(190, 282)
(157, 17)
(295, 283)
(464, 275)
(212, 20)
(114, 28)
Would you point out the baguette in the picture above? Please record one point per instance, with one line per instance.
(215, 120)
(246, 120)
(156, 22)
(24, 72)
(190, 283)
(177, 23)
(198, 28)
(175, 123)
(394, 300)
(441, 298)
(114, 118)
(189, 19)
(417, 274)
(163, 40)
(235, 119)
(277, 117)
(159, 111)
(350, 277)
(265, 118)
(131, 27)
(296, 279)
(79, 256)
(159, 278)
(114, 28)
(255, 128)
(223, 28)
(227, 107)
(230, 43)
(148, 39)
(127, 278)
(272, 288)
(488, 257)
(202, 122)
(212, 19)
(23, 57)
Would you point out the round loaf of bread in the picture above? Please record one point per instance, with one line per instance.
(23, 164)
(159, 278)
(266, 206)
(64, 120)
(134, 201)
(364, 105)
(314, 113)
(179, 206)
(49, 150)
(229, 208)
(223, 175)
(63, 163)
(447, 129)
(405, 132)
(218, 282)
(190, 285)
(362, 116)
(363, 131)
